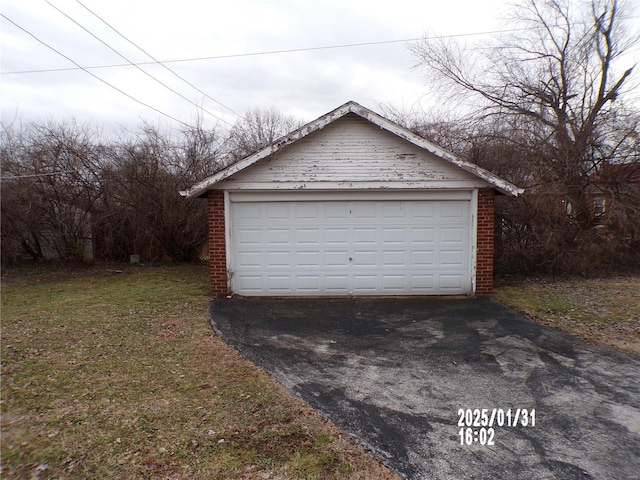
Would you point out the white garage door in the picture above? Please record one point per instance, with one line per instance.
(371, 247)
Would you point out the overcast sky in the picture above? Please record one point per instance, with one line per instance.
(305, 83)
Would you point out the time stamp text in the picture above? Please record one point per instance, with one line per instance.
(478, 426)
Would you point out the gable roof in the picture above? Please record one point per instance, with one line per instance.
(500, 184)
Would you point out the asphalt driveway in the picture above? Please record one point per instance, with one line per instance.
(394, 373)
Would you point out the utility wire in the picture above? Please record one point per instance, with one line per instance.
(275, 52)
(278, 52)
(137, 66)
(34, 175)
(92, 74)
(155, 59)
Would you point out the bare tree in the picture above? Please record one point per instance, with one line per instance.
(558, 81)
(49, 188)
(65, 189)
(545, 110)
(141, 212)
(259, 128)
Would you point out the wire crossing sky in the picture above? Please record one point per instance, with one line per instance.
(118, 63)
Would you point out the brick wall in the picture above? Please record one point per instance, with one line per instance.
(217, 244)
(484, 258)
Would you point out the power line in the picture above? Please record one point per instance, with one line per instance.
(92, 74)
(273, 52)
(34, 175)
(137, 66)
(155, 59)
(269, 52)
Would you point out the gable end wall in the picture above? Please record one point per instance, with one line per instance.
(352, 153)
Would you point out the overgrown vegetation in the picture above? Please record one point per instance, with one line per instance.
(113, 372)
(549, 107)
(70, 194)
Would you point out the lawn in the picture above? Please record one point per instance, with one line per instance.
(114, 372)
(602, 311)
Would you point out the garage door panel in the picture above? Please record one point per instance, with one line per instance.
(336, 211)
(451, 281)
(452, 210)
(394, 210)
(308, 237)
(307, 259)
(394, 258)
(336, 236)
(365, 236)
(249, 236)
(350, 247)
(278, 259)
(308, 283)
(249, 283)
(336, 283)
(453, 258)
(423, 235)
(394, 283)
(364, 258)
(246, 212)
(278, 237)
(281, 284)
(453, 235)
(422, 258)
(365, 283)
(277, 210)
(363, 211)
(251, 259)
(337, 258)
(425, 211)
(422, 283)
(394, 235)
(307, 211)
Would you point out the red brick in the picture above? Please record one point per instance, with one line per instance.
(485, 242)
(217, 244)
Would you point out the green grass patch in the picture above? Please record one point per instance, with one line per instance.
(115, 373)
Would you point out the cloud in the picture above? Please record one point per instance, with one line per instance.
(305, 83)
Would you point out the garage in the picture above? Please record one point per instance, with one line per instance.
(349, 247)
(351, 204)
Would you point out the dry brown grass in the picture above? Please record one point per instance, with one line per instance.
(118, 375)
(603, 311)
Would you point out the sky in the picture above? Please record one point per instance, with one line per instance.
(219, 49)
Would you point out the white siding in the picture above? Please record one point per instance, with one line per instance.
(352, 153)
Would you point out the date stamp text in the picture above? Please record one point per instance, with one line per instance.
(478, 425)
